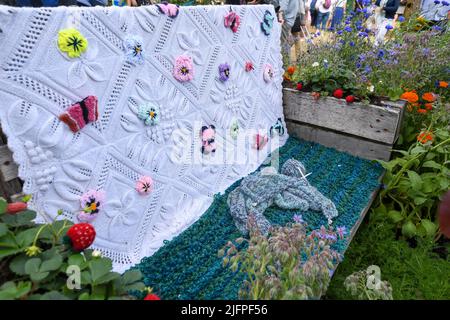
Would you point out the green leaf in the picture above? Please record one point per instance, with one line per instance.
(3, 229)
(8, 291)
(107, 278)
(17, 265)
(429, 227)
(24, 218)
(409, 230)
(131, 276)
(99, 268)
(417, 150)
(84, 296)
(32, 268)
(8, 245)
(420, 200)
(432, 164)
(23, 288)
(53, 295)
(3, 205)
(78, 260)
(416, 180)
(52, 264)
(395, 216)
(26, 237)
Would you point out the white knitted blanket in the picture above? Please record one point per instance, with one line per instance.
(40, 78)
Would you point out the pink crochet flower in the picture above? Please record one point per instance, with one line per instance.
(144, 185)
(168, 9)
(183, 70)
(91, 203)
(232, 21)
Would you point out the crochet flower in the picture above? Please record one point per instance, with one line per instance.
(149, 113)
(183, 70)
(168, 9)
(91, 203)
(267, 23)
(249, 66)
(268, 73)
(134, 50)
(232, 21)
(72, 42)
(144, 185)
(224, 72)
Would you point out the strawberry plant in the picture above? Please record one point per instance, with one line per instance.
(51, 261)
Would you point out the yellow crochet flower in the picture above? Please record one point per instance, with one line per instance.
(72, 42)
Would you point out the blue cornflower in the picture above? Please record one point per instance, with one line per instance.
(318, 33)
(351, 43)
(437, 2)
(401, 19)
(437, 28)
(348, 29)
(342, 41)
(339, 32)
(389, 27)
(426, 51)
(363, 34)
(367, 69)
(445, 3)
(358, 65)
(362, 57)
(367, 15)
(380, 53)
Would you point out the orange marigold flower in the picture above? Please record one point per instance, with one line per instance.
(429, 97)
(425, 136)
(291, 70)
(429, 106)
(410, 96)
(422, 111)
(443, 84)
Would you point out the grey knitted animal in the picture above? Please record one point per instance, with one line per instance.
(288, 190)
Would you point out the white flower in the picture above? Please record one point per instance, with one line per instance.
(325, 61)
(96, 253)
(315, 64)
(371, 88)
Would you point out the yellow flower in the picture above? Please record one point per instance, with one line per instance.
(33, 251)
(72, 42)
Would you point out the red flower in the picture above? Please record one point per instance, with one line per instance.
(152, 296)
(299, 86)
(81, 236)
(15, 207)
(350, 99)
(338, 93)
(422, 111)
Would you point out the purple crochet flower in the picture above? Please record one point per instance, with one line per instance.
(224, 72)
(91, 202)
(341, 231)
(298, 218)
(183, 69)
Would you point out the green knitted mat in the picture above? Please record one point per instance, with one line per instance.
(188, 266)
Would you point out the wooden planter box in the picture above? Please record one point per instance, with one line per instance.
(366, 131)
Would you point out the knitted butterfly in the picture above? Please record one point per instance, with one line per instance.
(80, 113)
(267, 23)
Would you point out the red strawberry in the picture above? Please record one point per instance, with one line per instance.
(151, 296)
(338, 93)
(81, 236)
(350, 99)
(15, 207)
(299, 86)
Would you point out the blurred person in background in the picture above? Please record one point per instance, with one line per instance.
(338, 13)
(324, 9)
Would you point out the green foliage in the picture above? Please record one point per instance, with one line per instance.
(36, 264)
(288, 264)
(416, 179)
(414, 273)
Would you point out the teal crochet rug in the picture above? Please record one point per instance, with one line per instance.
(188, 266)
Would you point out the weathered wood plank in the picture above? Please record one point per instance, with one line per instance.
(8, 167)
(377, 123)
(351, 144)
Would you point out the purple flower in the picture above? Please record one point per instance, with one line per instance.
(437, 2)
(351, 43)
(437, 28)
(341, 231)
(348, 29)
(298, 218)
(445, 3)
(363, 34)
(339, 32)
(401, 19)
(224, 72)
(389, 27)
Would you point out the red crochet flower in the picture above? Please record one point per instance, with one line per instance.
(299, 86)
(350, 99)
(338, 93)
